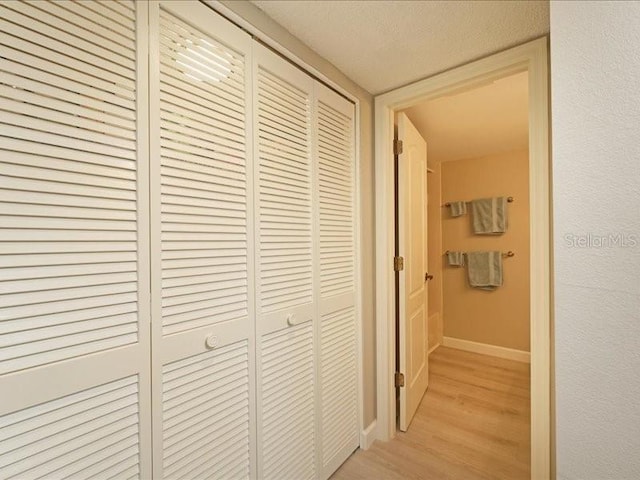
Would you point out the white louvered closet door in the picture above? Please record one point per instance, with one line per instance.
(74, 292)
(202, 245)
(336, 329)
(284, 269)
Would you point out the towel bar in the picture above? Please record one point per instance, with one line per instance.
(448, 204)
(504, 254)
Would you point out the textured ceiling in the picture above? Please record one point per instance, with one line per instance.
(487, 120)
(382, 45)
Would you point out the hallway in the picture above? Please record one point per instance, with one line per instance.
(473, 423)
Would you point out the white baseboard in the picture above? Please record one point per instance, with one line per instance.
(368, 435)
(486, 349)
(433, 348)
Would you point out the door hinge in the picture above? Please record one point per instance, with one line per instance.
(399, 379)
(397, 147)
(398, 263)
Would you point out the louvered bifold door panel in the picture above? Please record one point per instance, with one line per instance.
(202, 244)
(88, 434)
(284, 261)
(205, 400)
(74, 267)
(337, 326)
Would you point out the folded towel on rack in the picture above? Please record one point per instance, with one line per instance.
(489, 215)
(455, 259)
(485, 269)
(457, 209)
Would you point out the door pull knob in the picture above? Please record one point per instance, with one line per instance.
(211, 341)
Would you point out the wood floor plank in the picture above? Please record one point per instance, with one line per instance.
(473, 424)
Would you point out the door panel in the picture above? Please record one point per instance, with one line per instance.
(74, 292)
(337, 327)
(90, 433)
(205, 405)
(288, 403)
(202, 247)
(412, 245)
(284, 189)
(285, 308)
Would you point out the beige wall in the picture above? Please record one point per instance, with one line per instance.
(254, 16)
(434, 247)
(500, 317)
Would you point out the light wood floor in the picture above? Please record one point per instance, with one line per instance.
(473, 423)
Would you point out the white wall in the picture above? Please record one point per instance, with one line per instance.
(595, 79)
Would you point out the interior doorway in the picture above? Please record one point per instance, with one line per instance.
(530, 61)
(454, 155)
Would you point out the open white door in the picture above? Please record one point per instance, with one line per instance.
(412, 247)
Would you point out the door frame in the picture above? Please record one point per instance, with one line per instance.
(531, 57)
